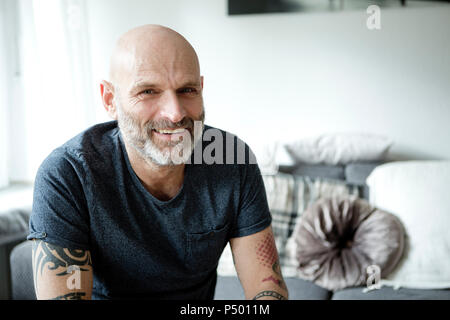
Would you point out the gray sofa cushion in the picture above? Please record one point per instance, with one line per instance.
(13, 222)
(388, 293)
(320, 171)
(357, 173)
(13, 230)
(229, 288)
(300, 289)
(22, 272)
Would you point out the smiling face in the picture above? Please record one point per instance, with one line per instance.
(157, 92)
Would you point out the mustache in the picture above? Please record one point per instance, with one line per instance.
(187, 123)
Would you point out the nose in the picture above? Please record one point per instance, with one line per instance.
(171, 107)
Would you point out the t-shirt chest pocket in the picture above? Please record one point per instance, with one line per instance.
(204, 249)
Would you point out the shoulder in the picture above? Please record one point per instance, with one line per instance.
(91, 145)
(94, 140)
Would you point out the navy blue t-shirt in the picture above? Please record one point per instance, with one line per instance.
(87, 196)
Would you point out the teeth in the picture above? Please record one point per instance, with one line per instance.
(171, 131)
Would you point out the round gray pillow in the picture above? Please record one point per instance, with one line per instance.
(338, 238)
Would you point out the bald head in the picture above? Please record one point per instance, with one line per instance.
(152, 48)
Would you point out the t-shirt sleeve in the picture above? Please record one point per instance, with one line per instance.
(253, 214)
(59, 211)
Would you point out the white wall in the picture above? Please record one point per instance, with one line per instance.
(289, 75)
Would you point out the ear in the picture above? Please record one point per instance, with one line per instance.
(107, 93)
(201, 81)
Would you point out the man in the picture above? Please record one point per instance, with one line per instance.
(123, 210)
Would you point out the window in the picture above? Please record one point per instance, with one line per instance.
(7, 65)
(46, 94)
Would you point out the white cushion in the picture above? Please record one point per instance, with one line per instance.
(417, 192)
(339, 148)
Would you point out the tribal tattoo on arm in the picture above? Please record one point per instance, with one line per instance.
(54, 261)
(273, 294)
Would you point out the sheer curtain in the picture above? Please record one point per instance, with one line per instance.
(3, 103)
(7, 66)
(56, 91)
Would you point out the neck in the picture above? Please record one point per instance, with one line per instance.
(163, 182)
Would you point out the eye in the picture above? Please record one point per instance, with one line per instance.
(188, 90)
(148, 91)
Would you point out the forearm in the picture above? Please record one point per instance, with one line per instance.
(258, 266)
(269, 286)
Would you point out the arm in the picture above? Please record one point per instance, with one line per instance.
(257, 265)
(61, 273)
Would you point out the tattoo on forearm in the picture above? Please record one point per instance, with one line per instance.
(266, 251)
(71, 296)
(276, 268)
(274, 294)
(276, 281)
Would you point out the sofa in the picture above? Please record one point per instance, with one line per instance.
(13, 231)
(355, 176)
(16, 270)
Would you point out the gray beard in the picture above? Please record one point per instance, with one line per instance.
(142, 142)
